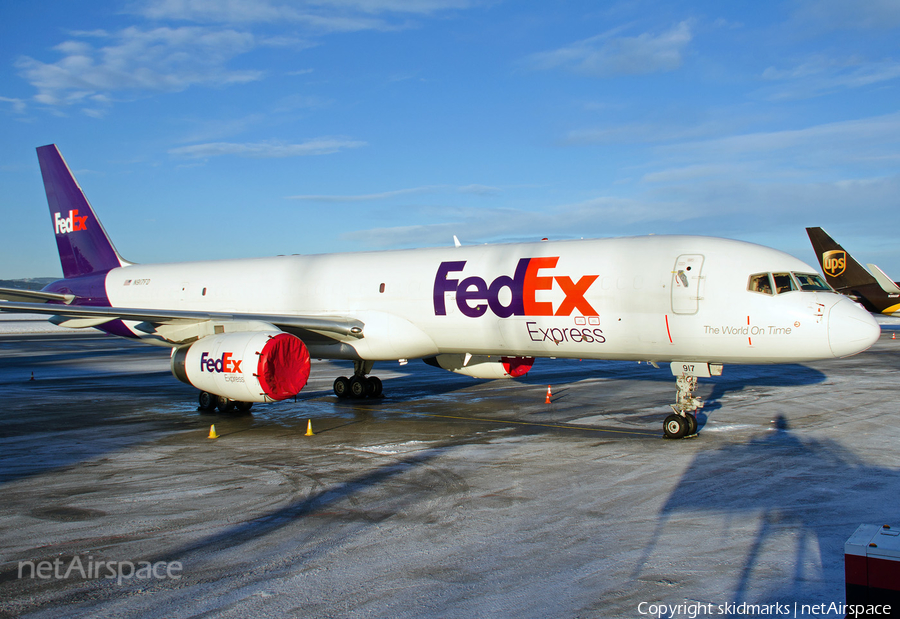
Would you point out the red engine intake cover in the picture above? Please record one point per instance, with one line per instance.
(283, 366)
(517, 366)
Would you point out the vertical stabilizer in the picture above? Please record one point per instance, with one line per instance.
(838, 266)
(84, 247)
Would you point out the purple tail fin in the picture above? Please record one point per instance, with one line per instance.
(84, 247)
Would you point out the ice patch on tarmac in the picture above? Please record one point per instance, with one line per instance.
(391, 449)
(593, 420)
(727, 427)
(21, 324)
(503, 440)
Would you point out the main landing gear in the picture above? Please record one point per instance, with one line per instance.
(682, 422)
(359, 386)
(210, 402)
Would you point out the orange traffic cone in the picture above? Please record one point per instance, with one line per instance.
(547, 401)
(212, 432)
(893, 337)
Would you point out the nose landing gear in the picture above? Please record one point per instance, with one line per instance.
(682, 422)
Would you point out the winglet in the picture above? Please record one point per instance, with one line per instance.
(84, 247)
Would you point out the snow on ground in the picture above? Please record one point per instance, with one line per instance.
(20, 324)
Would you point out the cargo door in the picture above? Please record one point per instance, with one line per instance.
(687, 284)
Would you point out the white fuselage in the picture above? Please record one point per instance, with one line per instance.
(655, 298)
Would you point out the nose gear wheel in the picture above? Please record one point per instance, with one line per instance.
(682, 422)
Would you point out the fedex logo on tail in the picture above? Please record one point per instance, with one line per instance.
(474, 296)
(72, 223)
(223, 364)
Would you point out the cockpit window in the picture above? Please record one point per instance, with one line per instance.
(760, 283)
(783, 282)
(811, 282)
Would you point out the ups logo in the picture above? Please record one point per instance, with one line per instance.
(834, 262)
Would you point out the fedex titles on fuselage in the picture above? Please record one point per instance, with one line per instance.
(474, 296)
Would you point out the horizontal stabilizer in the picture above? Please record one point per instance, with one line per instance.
(34, 296)
(886, 283)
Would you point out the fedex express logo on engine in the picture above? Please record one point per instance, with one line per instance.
(474, 295)
(72, 223)
(223, 364)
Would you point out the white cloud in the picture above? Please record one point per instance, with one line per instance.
(364, 197)
(318, 146)
(651, 132)
(291, 103)
(396, 6)
(787, 204)
(819, 76)
(607, 54)
(18, 105)
(591, 217)
(618, 134)
(214, 128)
(218, 11)
(733, 169)
(478, 190)
(695, 172)
(322, 15)
(759, 211)
(157, 60)
(827, 15)
(865, 134)
(138, 60)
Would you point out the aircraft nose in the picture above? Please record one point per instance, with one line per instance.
(851, 329)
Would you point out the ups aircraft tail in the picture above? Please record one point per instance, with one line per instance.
(84, 247)
(838, 266)
(849, 277)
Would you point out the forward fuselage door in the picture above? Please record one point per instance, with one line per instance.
(687, 284)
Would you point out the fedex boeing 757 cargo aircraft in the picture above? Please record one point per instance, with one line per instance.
(243, 331)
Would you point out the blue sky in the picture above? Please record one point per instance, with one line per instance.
(239, 128)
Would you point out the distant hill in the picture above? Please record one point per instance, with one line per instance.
(30, 283)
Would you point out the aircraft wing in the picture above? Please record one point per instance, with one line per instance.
(79, 316)
(886, 283)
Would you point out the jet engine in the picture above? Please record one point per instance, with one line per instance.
(253, 366)
(482, 366)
